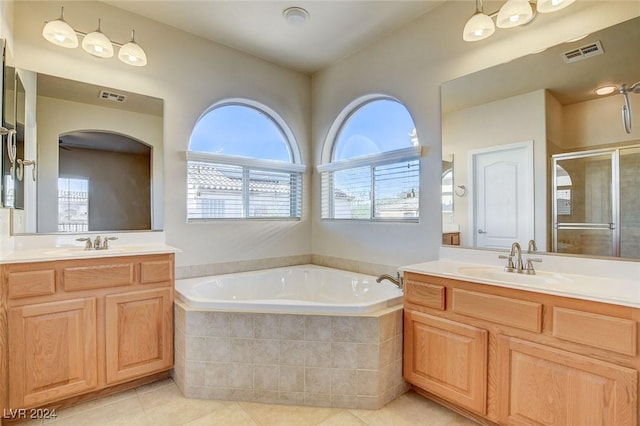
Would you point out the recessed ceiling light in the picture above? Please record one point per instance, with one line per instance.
(295, 16)
(605, 90)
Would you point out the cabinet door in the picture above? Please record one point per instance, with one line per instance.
(139, 333)
(539, 385)
(52, 351)
(446, 358)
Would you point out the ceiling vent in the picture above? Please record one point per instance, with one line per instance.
(111, 96)
(583, 52)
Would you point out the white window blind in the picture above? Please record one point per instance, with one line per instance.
(377, 187)
(241, 188)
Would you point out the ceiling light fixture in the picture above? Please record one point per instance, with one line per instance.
(512, 14)
(295, 16)
(605, 90)
(60, 33)
(96, 43)
(479, 26)
(132, 54)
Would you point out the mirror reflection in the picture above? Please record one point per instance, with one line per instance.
(99, 159)
(541, 156)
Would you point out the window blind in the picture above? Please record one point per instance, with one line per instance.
(216, 190)
(385, 189)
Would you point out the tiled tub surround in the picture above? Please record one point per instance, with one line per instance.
(346, 361)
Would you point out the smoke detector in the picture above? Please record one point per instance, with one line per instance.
(295, 16)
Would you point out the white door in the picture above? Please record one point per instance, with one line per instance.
(502, 195)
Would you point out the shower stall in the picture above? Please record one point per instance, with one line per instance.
(596, 202)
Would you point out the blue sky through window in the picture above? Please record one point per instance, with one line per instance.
(378, 126)
(240, 131)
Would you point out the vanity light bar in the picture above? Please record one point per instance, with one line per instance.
(60, 33)
(512, 14)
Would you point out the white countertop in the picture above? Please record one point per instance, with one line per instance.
(618, 291)
(78, 252)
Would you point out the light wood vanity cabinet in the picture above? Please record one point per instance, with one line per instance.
(513, 357)
(82, 326)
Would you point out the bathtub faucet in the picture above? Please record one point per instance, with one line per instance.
(398, 280)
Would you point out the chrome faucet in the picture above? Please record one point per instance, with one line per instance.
(399, 280)
(515, 249)
(519, 267)
(532, 247)
(98, 243)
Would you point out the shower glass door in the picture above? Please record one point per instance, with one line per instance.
(585, 203)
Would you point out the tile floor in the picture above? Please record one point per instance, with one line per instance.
(161, 403)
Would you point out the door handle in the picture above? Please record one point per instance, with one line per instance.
(480, 231)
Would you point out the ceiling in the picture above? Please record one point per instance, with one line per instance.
(334, 30)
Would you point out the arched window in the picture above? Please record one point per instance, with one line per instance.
(373, 172)
(243, 163)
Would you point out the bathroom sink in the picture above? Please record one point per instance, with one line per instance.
(492, 273)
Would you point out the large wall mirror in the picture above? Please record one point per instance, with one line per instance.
(89, 158)
(533, 153)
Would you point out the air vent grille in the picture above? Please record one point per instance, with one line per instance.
(111, 96)
(583, 52)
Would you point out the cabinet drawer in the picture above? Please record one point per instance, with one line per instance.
(602, 331)
(97, 276)
(502, 310)
(156, 271)
(31, 283)
(429, 295)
